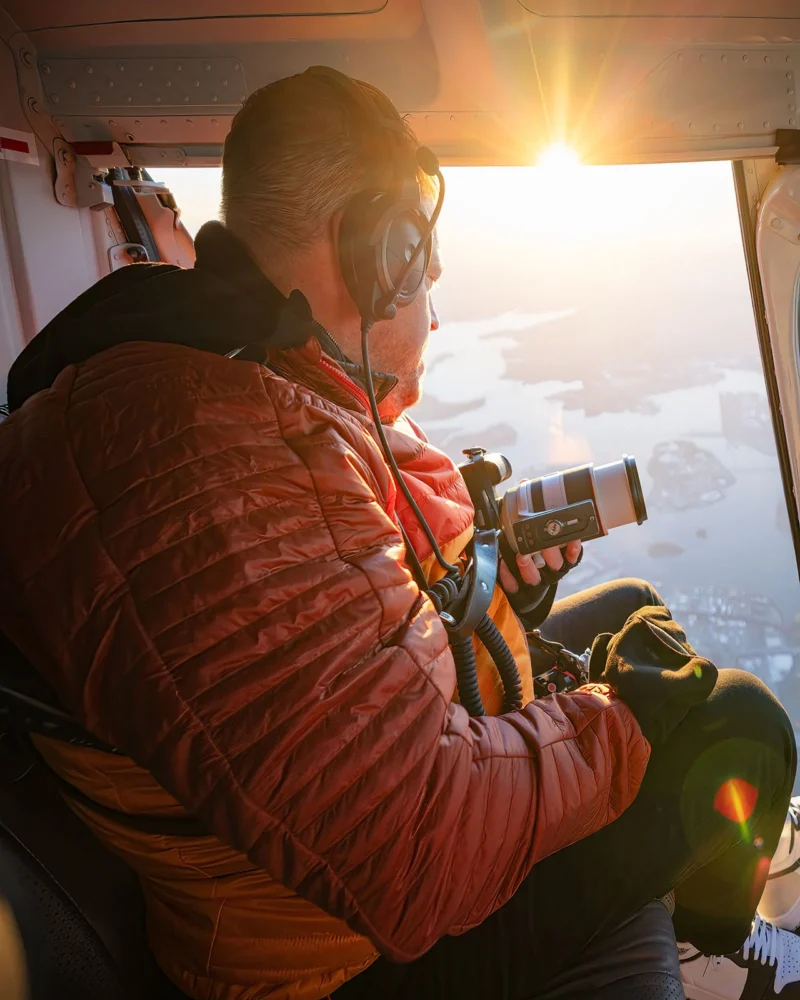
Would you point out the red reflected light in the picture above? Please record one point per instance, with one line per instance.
(736, 799)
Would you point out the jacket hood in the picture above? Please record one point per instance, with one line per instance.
(223, 304)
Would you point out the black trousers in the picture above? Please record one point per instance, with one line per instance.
(706, 822)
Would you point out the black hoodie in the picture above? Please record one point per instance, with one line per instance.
(225, 303)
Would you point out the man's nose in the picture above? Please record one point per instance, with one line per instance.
(434, 318)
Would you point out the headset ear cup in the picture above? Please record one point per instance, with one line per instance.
(356, 258)
(377, 236)
(403, 236)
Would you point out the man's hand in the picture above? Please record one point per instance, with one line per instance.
(554, 559)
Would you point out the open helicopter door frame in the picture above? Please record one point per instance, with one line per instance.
(769, 206)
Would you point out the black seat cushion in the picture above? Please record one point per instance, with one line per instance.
(86, 904)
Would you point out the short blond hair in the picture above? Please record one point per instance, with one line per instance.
(297, 152)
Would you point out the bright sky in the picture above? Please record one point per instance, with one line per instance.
(525, 230)
(518, 203)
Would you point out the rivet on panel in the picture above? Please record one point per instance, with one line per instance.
(26, 57)
(96, 98)
(788, 59)
(72, 84)
(716, 128)
(214, 121)
(89, 69)
(130, 137)
(168, 83)
(164, 121)
(150, 69)
(139, 83)
(766, 124)
(702, 57)
(121, 68)
(224, 83)
(792, 121)
(111, 83)
(158, 100)
(186, 100)
(197, 83)
(180, 67)
(33, 105)
(789, 76)
(189, 121)
(129, 99)
(776, 223)
(208, 66)
(111, 121)
(163, 154)
(767, 59)
(452, 118)
(54, 98)
(45, 69)
(691, 124)
(744, 58)
(680, 56)
(740, 124)
(214, 98)
(723, 58)
(136, 121)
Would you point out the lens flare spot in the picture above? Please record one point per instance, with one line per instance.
(735, 800)
(759, 880)
(698, 671)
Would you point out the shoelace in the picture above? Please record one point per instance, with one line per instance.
(765, 941)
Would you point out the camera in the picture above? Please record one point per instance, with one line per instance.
(576, 505)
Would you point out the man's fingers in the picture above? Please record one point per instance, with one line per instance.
(553, 558)
(528, 570)
(507, 581)
(572, 551)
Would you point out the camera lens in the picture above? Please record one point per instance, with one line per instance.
(615, 490)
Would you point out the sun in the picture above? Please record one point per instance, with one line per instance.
(558, 158)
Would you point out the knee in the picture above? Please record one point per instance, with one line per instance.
(745, 702)
(638, 593)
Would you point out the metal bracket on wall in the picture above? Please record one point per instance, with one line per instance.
(126, 253)
(64, 185)
(78, 184)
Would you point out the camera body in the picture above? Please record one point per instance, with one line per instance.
(577, 505)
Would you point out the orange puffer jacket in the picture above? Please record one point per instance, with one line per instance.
(206, 565)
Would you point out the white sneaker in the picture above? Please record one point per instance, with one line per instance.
(780, 902)
(767, 964)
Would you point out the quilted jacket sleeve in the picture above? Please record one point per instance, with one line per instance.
(219, 591)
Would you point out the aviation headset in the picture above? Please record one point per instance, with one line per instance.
(385, 237)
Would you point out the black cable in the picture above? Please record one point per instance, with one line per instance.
(376, 417)
(413, 560)
(467, 675)
(492, 638)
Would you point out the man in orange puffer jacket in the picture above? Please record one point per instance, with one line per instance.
(207, 565)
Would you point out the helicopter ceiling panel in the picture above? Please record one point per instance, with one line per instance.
(36, 15)
(78, 86)
(482, 81)
(672, 9)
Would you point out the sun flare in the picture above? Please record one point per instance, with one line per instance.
(558, 158)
